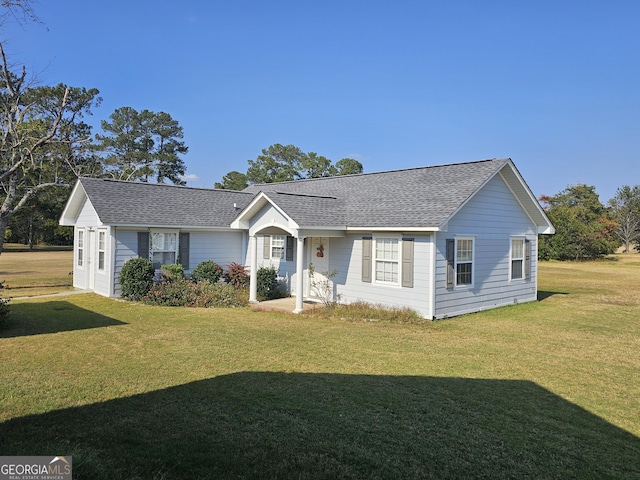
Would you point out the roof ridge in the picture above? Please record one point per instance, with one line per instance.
(150, 184)
(289, 182)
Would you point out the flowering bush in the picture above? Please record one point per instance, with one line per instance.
(236, 275)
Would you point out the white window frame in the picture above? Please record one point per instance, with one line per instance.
(514, 258)
(164, 248)
(102, 249)
(457, 261)
(81, 241)
(389, 261)
(278, 244)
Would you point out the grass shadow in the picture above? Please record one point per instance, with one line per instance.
(278, 425)
(36, 318)
(543, 295)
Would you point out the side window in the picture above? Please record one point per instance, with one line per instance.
(80, 260)
(517, 258)
(464, 261)
(102, 240)
(460, 257)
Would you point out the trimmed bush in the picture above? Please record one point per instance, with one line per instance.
(136, 278)
(267, 288)
(236, 275)
(207, 270)
(173, 271)
(183, 293)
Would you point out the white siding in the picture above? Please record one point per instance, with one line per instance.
(223, 247)
(346, 258)
(493, 215)
(286, 269)
(87, 220)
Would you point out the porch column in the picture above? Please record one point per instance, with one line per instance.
(299, 275)
(253, 279)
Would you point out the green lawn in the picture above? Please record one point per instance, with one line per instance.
(542, 390)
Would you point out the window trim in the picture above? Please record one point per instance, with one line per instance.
(152, 250)
(274, 246)
(512, 259)
(458, 238)
(81, 240)
(103, 250)
(375, 260)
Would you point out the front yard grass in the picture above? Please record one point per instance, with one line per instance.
(541, 390)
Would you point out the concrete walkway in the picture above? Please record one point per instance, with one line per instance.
(287, 304)
(59, 294)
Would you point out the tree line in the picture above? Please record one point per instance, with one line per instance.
(587, 229)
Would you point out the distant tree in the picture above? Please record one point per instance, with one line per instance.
(40, 128)
(584, 229)
(313, 165)
(348, 166)
(233, 181)
(142, 146)
(280, 163)
(625, 207)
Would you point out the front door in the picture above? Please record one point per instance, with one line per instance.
(319, 284)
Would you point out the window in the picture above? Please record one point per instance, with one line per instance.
(460, 261)
(163, 249)
(464, 261)
(80, 248)
(387, 260)
(517, 258)
(102, 238)
(277, 246)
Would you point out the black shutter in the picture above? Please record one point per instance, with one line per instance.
(366, 259)
(407, 262)
(183, 252)
(527, 259)
(451, 245)
(143, 244)
(289, 249)
(266, 248)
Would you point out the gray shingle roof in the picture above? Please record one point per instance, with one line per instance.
(150, 204)
(416, 197)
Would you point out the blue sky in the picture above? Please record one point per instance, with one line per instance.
(554, 85)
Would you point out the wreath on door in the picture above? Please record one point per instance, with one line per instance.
(320, 251)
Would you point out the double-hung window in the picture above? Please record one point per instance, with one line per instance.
(460, 257)
(164, 248)
(277, 246)
(102, 240)
(464, 261)
(80, 260)
(387, 263)
(517, 258)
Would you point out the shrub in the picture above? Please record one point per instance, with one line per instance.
(183, 293)
(173, 293)
(4, 306)
(173, 271)
(267, 287)
(207, 270)
(236, 275)
(136, 278)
